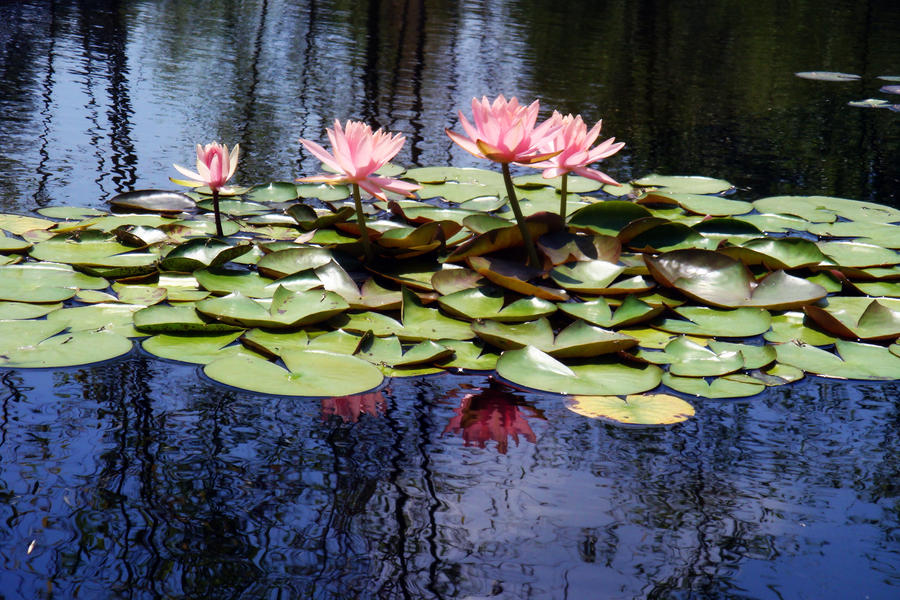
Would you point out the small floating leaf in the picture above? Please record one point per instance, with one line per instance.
(643, 409)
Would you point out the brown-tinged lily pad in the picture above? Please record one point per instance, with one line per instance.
(854, 317)
(635, 409)
(516, 277)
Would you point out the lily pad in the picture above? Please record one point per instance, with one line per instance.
(855, 317)
(310, 373)
(635, 409)
(855, 361)
(197, 349)
(200, 253)
(586, 277)
(608, 217)
(600, 312)
(277, 191)
(515, 276)
(684, 184)
(469, 355)
(712, 322)
(827, 76)
(161, 201)
(288, 309)
(535, 369)
(795, 326)
(44, 282)
(701, 204)
(177, 320)
(729, 386)
(26, 310)
(67, 349)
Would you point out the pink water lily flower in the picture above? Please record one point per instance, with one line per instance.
(505, 132)
(358, 153)
(215, 166)
(572, 143)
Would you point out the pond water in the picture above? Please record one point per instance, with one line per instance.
(139, 478)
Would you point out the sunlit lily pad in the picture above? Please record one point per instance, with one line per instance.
(288, 309)
(69, 213)
(607, 217)
(854, 317)
(18, 224)
(792, 325)
(729, 386)
(600, 312)
(827, 76)
(293, 260)
(177, 320)
(689, 359)
(858, 255)
(458, 174)
(277, 191)
(713, 322)
(562, 247)
(117, 318)
(701, 204)
(235, 207)
(323, 191)
(32, 344)
(721, 281)
(469, 355)
(684, 184)
(755, 357)
(509, 236)
(310, 373)
(422, 323)
(388, 354)
(161, 201)
(777, 253)
(487, 302)
(197, 349)
(853, 361)
(145, 295)
(535, 369)
(643, 409)
(26, 310)
(44, 282)
(200, 253)
(579, 339)
(732, 230)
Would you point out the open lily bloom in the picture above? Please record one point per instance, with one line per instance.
(505, 132)
(215, 166)
(572, 144)
(358, 153)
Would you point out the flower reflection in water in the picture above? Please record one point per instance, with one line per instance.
(493, 414)
(350, 408)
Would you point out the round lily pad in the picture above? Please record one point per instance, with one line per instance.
(161, 201)
(687, 184)
(730, 386)
(636, 409)
(66, 349)
(309, 373)
(44, 282)
(532, 368)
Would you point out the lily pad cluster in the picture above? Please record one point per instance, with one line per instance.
(666, 281)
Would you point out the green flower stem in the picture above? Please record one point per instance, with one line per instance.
(520, 220)
(361, 221)
(217, 213)
(562, 191)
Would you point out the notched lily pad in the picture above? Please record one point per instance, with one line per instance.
(159, 201)
(636, 409)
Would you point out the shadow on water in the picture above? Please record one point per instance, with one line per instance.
(139, 478)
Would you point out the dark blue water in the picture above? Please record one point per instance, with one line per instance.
(141, 479)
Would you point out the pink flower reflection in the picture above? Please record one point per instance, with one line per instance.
(349, 408)
(493, 414)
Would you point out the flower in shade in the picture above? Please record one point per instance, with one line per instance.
(504, 131)
(215, 166)
(358, 153)
(492, 414)
(572, 144)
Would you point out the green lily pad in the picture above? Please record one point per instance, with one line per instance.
(509, 236)
(773, 223)
(855, 361)
(795, 326)
(44, 282)
(201, 253)
(388, 354)
(687, 358)
(26, 310)
(719, 280)
(855, 317)
(826, 209)
(117, 318)
(608, 217)
(288, 309)
(310, 373)
(578, 340)
(777, 253)
(684, 184)
(69, 213)
(600, 312)
(701, 204)
(586, 277)
(712, 322)
(859, 255)
(145, 295)
(635, 409)
(729, 386)
(277, 191)
(458, 174)
(778, 374)
(663, 237)
(755, 357)
(535, 369)
(197, 349)
(235, 207)
(469, 355)
(18, 224)
(161, 201)
(292, 260)
(452, 279)
(884, 235)
(421, 323)
(10, 245)
(176, 320)
(65, 350)
(323, 191)
(734, 231)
